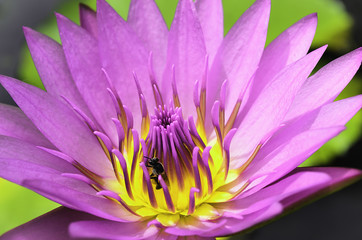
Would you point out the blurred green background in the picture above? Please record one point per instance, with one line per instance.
(19, 205)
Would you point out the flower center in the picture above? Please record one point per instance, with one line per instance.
(170, 167)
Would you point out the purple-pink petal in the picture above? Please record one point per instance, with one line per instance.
(300, 185)
(67, 191)
(14, 148)
(274, 193)
(239, 54)
(79, 196)
(147, 22)
(284, 153)
(325, 85)
(340, 177)
(59, 123)
(49, 59)
(14, 123)
(272, 104)
(288, 47)
(81, 52)
(88, 20)
(104, 229)
(122, 52)
(53, 225)
(211, 18)
(186, 51)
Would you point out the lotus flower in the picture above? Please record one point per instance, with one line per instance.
(145, 133)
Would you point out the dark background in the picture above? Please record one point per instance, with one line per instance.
(335, 217)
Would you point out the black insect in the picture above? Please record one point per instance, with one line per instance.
(157, 169)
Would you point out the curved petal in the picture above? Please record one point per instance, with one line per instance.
(333, 114)
(340, 177)
(233, 225)
(14, 123)
(300, 185)
(272, 104)
(123, 53)
(284, 153)
(147, 22)
(189, 226)
(104, 229)
(60, 125)
(52, 225)
(17, 171)
(186, 51)
(49, 59)
(288, 47)
(16, 149)
(79, 196)
(325, 85)
(63, 190)
(237, 59)
(211, 18)
(81, 52)
(288, 186)
(88, 19)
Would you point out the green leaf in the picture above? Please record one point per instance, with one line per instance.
(19, 205)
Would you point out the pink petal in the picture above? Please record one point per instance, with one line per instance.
(17, 149)
(282, 189)
(52, 225)
(104, 229)
(79, 196)
(272, 104)
(88, 19)
(63, 190)
(122, 52)
(233, 225)
(186, 50)
(17, 171)
(147, 22)
(14, 123)
(189, 226)
(211, 18)
(288, 47)
(80, 50)
(333, 114)
(340, 177)
(239, 54)
(325, 85)
(300, 185)
(49, 59)
(284, 148)
(283, 153)
(59, 123)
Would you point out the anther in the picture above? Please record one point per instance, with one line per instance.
(195, 155)
(176, 163)
(215, 121)
(113, 195)
(226, 148)
(146, 177)
(123, 164)
(205, 160)
(84, 117)
(136, 147)
(192, 200)
(167, 195)
(176, 100)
